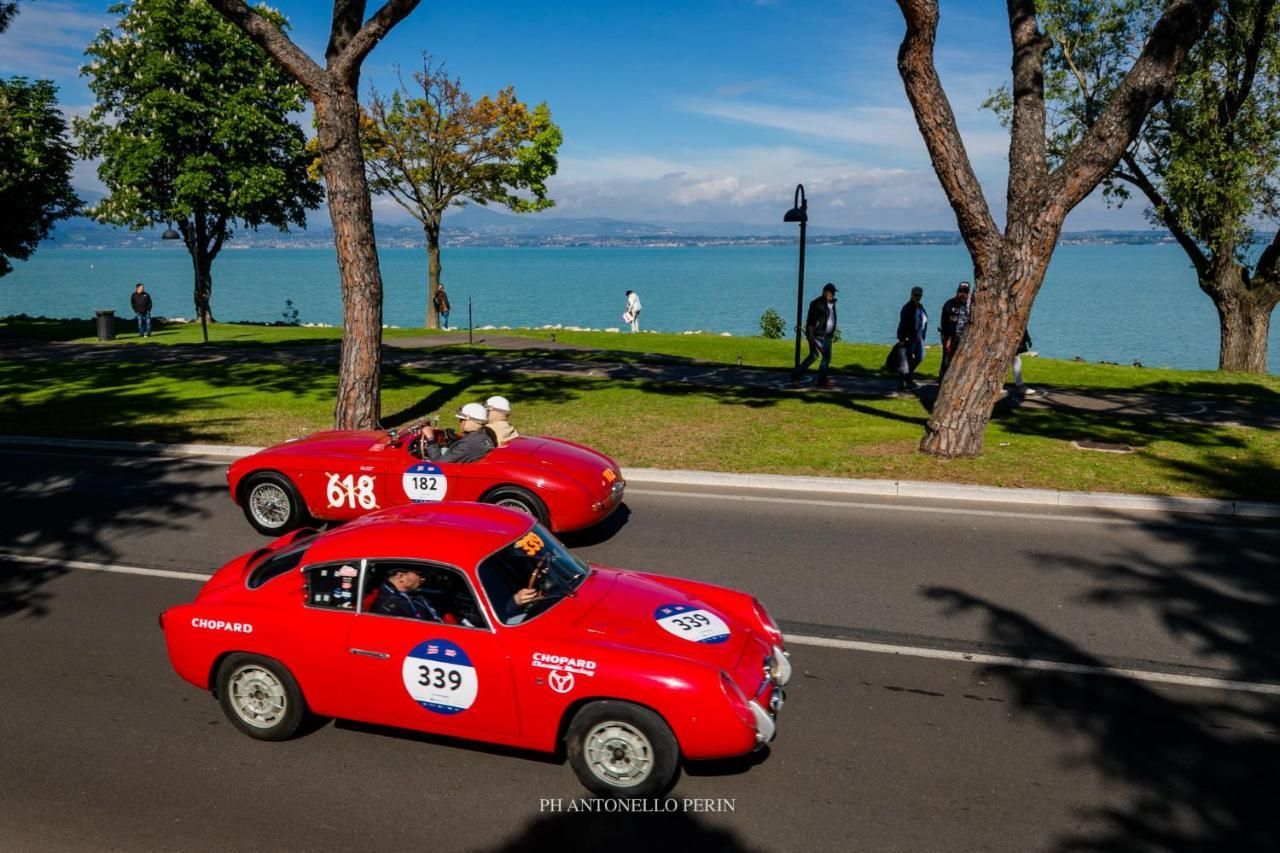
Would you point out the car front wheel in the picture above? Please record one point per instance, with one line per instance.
(622, 750)
(260, 697)
(272, 504)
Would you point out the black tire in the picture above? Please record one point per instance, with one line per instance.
(266, 497)
(522, 500)
(260, 697)
(640, 743)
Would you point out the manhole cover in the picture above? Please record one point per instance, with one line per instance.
(1101, 446)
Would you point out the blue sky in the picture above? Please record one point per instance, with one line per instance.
(672, 111)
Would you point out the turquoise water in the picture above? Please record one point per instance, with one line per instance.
(1114, 303)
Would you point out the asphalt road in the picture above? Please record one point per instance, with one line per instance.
(103, 747)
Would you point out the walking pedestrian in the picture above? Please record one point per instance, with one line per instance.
(442, 306)
(1020, 390)
(141, 302)
(632, 313)
(819, 329)
(955, 319)
(913, 323)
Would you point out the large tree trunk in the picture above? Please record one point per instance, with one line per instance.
(360, 371)
(433, 275)
(1244, 318)
(203, 265)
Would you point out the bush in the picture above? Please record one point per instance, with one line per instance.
(290, 314)
(771, 325)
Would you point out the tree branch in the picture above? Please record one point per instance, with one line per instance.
(348, 15)
(1148, 82)
(1268, 266)
(347, 62)
(277, 45)
(937, 125)
(1027, 157)
(1164, 211)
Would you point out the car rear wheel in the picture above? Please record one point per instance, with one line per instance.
(622, 750)
(521, 500)
(260, 697)
(272, 504)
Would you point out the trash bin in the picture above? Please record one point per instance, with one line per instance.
(106, 324)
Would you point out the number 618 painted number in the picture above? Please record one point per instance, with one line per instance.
(348, 491)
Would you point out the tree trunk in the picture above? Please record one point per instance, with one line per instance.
(203, 290)
(1244, 318)
(433, 275)
(360, 371)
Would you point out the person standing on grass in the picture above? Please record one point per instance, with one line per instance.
(955, 319)
(141, 302)
(913, 323)
(820, 330)
(1019, 390)
(442, 306)
(632, 313)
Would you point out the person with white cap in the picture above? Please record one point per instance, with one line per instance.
(473, 443)
(499, 409)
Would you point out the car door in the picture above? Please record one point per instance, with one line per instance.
(316, 632)
(406, 477)
(428, 675)
(348, 486)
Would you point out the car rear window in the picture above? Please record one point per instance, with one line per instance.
(277, 565)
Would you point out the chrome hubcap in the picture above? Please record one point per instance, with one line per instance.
(269, 504)
(619, 754)
(516, 504)
(257, 696)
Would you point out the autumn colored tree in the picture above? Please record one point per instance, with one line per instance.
(1009, 265)
(434, 146)
(1207, 160)
(192, 125)
(333, 90)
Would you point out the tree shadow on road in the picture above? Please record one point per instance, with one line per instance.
(634, 832)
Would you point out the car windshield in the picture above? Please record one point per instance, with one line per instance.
(536, 561)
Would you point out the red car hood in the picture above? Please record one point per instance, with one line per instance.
(583, 464)
(641, 612)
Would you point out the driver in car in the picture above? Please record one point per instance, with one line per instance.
(396, 597)
(473, 444)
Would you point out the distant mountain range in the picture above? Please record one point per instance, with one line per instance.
(477, 226)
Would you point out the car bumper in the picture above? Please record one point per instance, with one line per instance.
(610, 501)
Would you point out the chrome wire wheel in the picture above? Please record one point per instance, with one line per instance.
(257, 696)
(269, 504)
(619, 754)
(516, 504)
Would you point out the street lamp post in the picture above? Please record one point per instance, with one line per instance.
(799, 212)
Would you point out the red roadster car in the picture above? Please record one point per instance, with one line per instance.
(343, 474)
(502, 636)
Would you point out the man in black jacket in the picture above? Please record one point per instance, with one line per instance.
(474, 443)
(141, 302)
(955, 319)
(819, 329)
(913, 323)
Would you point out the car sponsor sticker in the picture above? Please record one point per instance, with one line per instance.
(220, 625)
(692, 623)
(425, 482)
(440, 677)
(561, 677)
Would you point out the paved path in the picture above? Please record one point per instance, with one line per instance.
(527, 355)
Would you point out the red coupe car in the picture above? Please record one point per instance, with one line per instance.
(473, 621)
(343, 474)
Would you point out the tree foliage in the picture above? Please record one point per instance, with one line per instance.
(35, 167)
(192, 125)
(432, 146)
(8, 10)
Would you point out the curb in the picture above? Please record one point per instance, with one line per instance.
(780, 482)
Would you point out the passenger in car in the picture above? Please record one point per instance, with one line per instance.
(499, 409)
(473, 444)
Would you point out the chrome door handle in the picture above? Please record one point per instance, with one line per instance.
(369, 654)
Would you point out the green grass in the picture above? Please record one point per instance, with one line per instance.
(642, 424)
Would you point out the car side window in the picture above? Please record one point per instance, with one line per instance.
(333, 586)
(275, 566)
(443, 594)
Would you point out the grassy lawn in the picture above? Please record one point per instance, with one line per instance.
(640, 424)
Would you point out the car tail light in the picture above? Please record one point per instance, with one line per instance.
(737, 699)
(770, 627)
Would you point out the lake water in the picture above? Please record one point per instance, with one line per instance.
(1114, 303)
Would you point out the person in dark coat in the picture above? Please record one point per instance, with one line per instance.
(442, 306)
(913, 323)
(140, 300)
(819, 329)
(955, 319)
(474, 443)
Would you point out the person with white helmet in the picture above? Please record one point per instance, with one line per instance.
(499, 409)
(473, 443)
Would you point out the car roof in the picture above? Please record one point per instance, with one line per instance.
(458, 533)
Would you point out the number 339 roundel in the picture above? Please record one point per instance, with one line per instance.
(692, 623)
(440, 677)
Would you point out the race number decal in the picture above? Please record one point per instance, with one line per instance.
(439, 676)
(351, 492)
(692, 623)
(424, 482)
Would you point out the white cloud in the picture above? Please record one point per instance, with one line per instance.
(48, 39)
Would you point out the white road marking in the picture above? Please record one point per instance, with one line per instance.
(1033, 663)
(798, 639)
(931, 510)
(103, 567)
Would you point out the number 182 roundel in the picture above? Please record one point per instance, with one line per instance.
(343, 474)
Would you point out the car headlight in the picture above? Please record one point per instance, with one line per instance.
(779, 667)
(770, 627)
